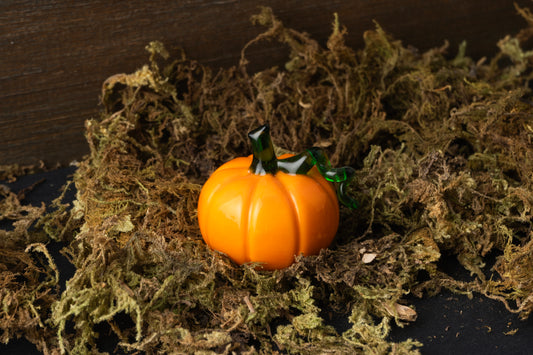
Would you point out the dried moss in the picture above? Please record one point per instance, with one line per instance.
(12, 171)
(443, 154)
(28, 274)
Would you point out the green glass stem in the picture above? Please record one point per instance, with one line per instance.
(264, 158)
(265, 162)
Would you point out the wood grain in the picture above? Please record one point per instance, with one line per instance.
(56, 53)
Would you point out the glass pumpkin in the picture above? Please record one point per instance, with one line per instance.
(268, 210)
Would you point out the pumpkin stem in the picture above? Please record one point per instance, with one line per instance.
(265, 162)
(303, 162)
(264, 159)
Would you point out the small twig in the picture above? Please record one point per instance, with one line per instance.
(249, 304)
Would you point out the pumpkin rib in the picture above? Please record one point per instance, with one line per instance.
(212, 192)
(247, 213)
(206, 212)
(237, 163)
(222, 177)
(309, 226)
(227, 170)
(272, 237)
(326, 187)
(295, 212)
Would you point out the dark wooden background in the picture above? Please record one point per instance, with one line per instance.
(55, 54)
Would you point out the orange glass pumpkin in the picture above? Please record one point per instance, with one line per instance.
(263, 209)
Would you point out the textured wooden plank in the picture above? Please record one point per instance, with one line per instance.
(56, 53)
